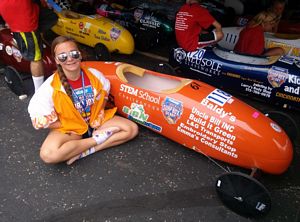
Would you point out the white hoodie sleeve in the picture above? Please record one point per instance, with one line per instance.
(105, 82)
(41, 106)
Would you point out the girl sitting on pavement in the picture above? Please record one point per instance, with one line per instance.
(71, 104)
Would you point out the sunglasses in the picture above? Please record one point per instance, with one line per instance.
(62, 57)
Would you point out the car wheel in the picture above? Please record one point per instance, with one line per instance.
(15, 82)
(243, 194)
(102, 52)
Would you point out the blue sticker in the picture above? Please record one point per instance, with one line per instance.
(172, 110)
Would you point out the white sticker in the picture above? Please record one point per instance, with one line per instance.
(8, 50)
(276, 127)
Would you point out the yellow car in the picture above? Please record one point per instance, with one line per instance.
(101, 33)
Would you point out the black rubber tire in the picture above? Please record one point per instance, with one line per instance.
(284, 120)
(14, 81)
(101, 52)
(243, 194)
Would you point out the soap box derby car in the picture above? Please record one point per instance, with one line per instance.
(272, 79)
(101, 33)
(217, 8)
(16, 69)
(148, 27)
(207, 120)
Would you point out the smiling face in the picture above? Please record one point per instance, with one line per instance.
(68, 56)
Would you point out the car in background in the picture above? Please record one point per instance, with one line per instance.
(149, 28)
(100, 33)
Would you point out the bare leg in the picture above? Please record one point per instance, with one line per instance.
(59, 147)
(37, 72)
(37, 68)
(127, 131)
(103, 135)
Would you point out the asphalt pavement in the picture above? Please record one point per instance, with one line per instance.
(147, 179)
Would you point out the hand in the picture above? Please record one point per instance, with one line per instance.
(99, 121)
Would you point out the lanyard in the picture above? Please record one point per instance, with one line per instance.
(83, 102)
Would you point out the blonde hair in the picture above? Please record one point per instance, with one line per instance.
(262, 17)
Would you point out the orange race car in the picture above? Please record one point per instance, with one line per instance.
(209, 121)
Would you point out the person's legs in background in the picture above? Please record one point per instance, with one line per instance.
(30, 46)
(37, 72)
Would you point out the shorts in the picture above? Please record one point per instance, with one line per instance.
(88, 133)
(207, 39)
(29, 44)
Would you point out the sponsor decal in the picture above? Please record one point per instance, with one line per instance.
(136, 112)
(115, 33)
(295, 81)
(104, 38)
(219, 97)
(87, 28)
(277, 76)
(197, 62)
(233, 75)
(100, 31)
(8, 50)
(172, 110)
(257, 89)
(287, 59)
(140, 94)
(69, 29)
(210, 131)
(81, 25)
(214, 102)
(150, 21)
(17, 54)
(288, 97)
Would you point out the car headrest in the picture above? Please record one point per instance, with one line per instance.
(123, 68)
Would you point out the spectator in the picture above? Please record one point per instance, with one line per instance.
(277, 8)
(191, 20)
(22, 17)
(71, 104)
(251, 38)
